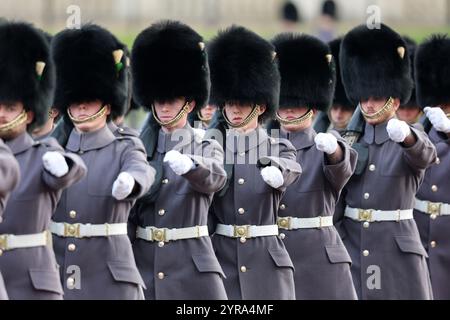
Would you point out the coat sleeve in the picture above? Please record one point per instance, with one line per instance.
(284, 157)
(9, 171)
(422, 154)
(338, 174)
(209, 175)
(77, 168)
(134, 162)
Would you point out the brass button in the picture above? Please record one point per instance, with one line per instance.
(366, 224)
(70, 282)
(161, 212)
(366, 195)
(365, 215)
(73, 214)
(161, 275)
(71, 247)
(80, 152)
(242, 154)
(243, 240)
(433, 244)
(161, 244)
(241, 210)
(282, 236)
(282, 206)
(433, 217)
(438, 160)
(165, 181)
(372, 167)
(71, 230)
(240, 231)
(241, 181)
(365, 253)
(283, 222)
(121, 130)
(434, 188)
(243, 269)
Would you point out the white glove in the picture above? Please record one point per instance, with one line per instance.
(272, 176)
(180, 163)
(55, 163)
(123, 186)
(398, 130)
(326, 142)
(438, 119)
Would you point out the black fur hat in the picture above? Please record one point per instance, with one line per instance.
(432, 68)
(244, 70)
(412, 46)
(375, 63)
(23, 52)
(169, 61)
(307, 71)
(329, 8)
(340, 98)
(90, 65)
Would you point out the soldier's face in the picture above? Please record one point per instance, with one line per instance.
(408, 114)
(373, 105)
(292, 113)
(86, 109)
(167, 110)
(236, 113)
(340, 116)
(9, 112)
(208, 111)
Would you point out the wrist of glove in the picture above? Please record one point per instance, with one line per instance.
(123, 186)
(178, 162)
(398, 130)
(326, 142)
(272, 176)
(438, 119)
(55, 163)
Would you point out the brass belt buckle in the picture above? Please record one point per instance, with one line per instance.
(284, 223)
(3, 242)
(159, 235)
(241, 231)
(365, 215)
(72, 230)
(434, 208)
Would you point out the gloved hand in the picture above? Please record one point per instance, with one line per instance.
(438, 119)
(398, 130)
(326, 142)
(123, 186)
(272, 176)
(178, 162)
(55, 163)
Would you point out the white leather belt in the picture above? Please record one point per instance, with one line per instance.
(291, 223)
(436, 208)
(11, 241)
(80, 230)
(247, 231)
(371, 215)
(165, 234)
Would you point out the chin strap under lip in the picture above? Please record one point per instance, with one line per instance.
(20, 119)
(95, 116)
(308, 115)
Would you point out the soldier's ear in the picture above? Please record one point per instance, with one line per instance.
(262, 109)
(30, 117)
(396, 104)
(191, 105)
(108, 109)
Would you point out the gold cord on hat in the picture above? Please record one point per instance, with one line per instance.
(386, 108)
(99, 114)
(175, 120)
(19, 120)
(308, 115)
(246, 121)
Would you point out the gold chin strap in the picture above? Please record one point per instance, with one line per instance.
(308, 115)
(99, 114)
(246, 121)
(386, 108)
(199, 115)
(174, 121)
(20, 119)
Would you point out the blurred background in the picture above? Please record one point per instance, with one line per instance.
(325, 19)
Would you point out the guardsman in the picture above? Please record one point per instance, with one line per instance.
(321, 261)
(378, 229)
(27, 79)
(9, 177)
(246, 85)
(410, 112)
(432, 208)
(90, 222)
(202, 118)
(173, 249)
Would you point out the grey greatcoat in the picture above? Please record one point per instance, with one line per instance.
(32, 273)
(389, 261)
(188, 268)
(106, 264)
(322, 263)
(259, 268)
